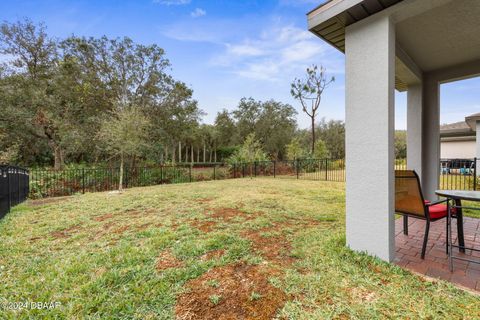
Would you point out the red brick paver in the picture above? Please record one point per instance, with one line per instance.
(408, 251)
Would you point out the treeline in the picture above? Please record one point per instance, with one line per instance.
(94, 100)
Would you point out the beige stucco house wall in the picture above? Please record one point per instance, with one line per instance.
(459, 140)
(457, 149)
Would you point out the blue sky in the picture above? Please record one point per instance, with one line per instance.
(226, 49)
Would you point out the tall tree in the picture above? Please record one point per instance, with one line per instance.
(123, 134)
(226, 129)
(275, 127)
(332, 132)
(27, 84)
(309, 92)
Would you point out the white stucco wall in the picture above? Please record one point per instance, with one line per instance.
(414, 128)
(370, 68)
(457, 149)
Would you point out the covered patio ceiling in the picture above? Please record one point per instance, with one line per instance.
(435, 35)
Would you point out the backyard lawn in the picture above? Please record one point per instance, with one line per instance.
(231, 249)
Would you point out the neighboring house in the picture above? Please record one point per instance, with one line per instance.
(458, 140)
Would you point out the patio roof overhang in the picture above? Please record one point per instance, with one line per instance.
(430, 35)
(412, 45)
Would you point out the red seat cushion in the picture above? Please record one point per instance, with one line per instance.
(439, 211)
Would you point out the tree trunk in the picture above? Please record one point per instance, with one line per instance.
(204, 151)
(313, 135)
(198, 154)
(58, 156)
(173, 155)
(179, 151)
(120, 179)
(210, 156)
(191, 154)
(166, 154)
(215, 154)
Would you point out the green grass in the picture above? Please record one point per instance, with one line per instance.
(97, 254)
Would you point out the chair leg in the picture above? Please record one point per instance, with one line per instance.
(446, 236)
(425, 239)
(405, 225)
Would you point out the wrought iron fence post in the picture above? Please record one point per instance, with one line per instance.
(83, 180)
(214, 172)
(9, 189)
(234, 170)
(326, 169)
(18, 186)
(274, 168)
(255, 168)
(190, 172)
(475, 173)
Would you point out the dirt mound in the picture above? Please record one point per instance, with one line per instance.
(274, 248)
(237, 291)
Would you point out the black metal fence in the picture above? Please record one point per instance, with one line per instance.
(459, 174)
(454, 174)
(14, 187)
(54, 183)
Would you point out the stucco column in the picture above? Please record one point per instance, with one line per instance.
(430, 137)
(477, 141)
(414, 128)
(370, 75)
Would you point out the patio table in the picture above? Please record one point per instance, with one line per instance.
(458, 196)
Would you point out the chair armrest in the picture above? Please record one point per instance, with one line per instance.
(436, 202)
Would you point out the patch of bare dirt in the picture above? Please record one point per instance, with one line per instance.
(203, 200)
(66, 233)
(214, 254)
(274, 248)
(237, 291)
(227, 214)
(103, 217)
(41, 202)
(107, 228)
(221, 215)
(120, 230)
(204, 226)
(166, 260)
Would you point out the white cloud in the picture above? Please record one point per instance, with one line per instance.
(198, 12)
(301, 2)
(244, 49)
(270, 50)
(172, 2)
(275, 54)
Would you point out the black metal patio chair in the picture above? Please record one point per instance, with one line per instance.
(409, 202)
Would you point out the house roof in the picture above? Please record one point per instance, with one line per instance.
(471, 121)
(329, 20)
(458, 130)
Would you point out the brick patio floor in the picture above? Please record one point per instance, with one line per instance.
(408, 251)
